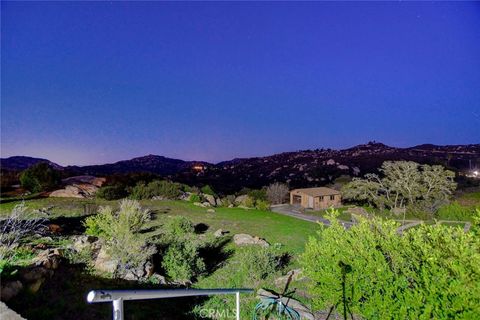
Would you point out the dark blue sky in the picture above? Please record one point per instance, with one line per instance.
(92, 82)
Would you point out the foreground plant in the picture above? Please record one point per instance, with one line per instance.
(430, 272)
(16, 227)
(121, 232)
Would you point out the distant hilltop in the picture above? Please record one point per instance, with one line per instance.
(298, 168)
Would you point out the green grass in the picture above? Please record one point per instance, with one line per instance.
(344, 215)
(273, 227)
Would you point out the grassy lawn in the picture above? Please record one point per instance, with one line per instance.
(344, 215)
(273, 227)
(470, 199)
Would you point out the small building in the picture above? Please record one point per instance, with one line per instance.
(316, 198)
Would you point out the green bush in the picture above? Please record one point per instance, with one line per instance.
(194, 198)
(258, 194)
(177, 227)
(431, 272)
(208, 190)
(111, 192)
(40, 177)
(163, 188)
(249, 202)
(257, 263)
(262, 205)
(121, 232)
(455, 211)
(182, 261)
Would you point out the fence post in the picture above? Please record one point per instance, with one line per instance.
(118, 309)
(237, 296)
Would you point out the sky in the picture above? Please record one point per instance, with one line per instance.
(97, 82)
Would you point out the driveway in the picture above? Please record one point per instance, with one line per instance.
(294, 212)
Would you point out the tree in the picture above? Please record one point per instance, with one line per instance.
(40, 177)
(277, 193)
(404, 183)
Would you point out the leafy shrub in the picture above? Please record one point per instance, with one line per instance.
(258, 194)
(258, 263)
(163, 188)
(262, 205)
(194, 198)
(177, 227)
(111, 192)
(40, 177)
(249, 202)
(228, 200)
(182, 261)
(455, 211)
(121, 232)
(208, 190)
(431, 272)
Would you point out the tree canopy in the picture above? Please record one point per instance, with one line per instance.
(402, 184)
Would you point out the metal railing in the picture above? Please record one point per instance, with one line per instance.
(118, 296)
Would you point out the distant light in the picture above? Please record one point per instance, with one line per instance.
(475, 173)
(198, 168)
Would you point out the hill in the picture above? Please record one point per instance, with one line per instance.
(300, 168)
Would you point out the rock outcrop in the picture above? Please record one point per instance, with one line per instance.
(246, 239)
(79, 187)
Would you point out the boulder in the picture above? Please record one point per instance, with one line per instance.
(83, 242)
(198, 204)
(141, 272)
(304, 312)
(159, 278)
(104, 262)
(211, 210)
(49, 259)
(10, 289)
(210, 199)
(220, 233)
(79, 187)
(206, 204)
(219, 202)
(295, 275)
(246, 239)
(241, 199)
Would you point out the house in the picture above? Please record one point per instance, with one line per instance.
(316, 198)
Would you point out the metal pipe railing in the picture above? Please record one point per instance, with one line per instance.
(118, 296)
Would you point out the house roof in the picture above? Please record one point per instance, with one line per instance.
(316, 192)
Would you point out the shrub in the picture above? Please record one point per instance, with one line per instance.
(258, 263)
(258, 195)
(249, 202)
(194, 198)
(208, 190)
(177, 227)
(40, 177)
(228, 200)
(262, 205)
(15, 228)
(163, 188)
(111, 192)
(182, 261)
(431, 272)
(455, 211)
(121, 232)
